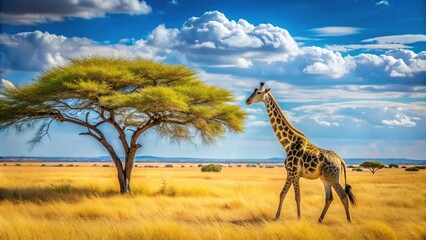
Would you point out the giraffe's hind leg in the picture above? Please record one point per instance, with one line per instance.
(328, 199)
(297, 196)
(331, 174)
(343, 197)
(284, 191)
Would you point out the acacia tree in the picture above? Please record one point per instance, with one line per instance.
(372, 166)
(132, 96)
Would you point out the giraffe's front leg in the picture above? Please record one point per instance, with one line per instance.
(284, 191)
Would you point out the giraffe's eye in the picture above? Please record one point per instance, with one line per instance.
(258, 92)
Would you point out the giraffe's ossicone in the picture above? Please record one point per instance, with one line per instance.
(304, 159)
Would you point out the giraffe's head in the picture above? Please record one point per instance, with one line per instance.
(258, 94)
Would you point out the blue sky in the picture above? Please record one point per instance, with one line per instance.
(350, 74)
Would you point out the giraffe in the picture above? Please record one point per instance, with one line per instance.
(304, 159)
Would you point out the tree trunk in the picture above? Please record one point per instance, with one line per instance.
(127, 172)
(125, 185)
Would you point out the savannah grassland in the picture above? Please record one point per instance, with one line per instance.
(184, 203)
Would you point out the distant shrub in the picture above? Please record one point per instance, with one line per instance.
(43, 165)
(239, 165)
(148, 166)
(351, 166)
(168, 165)
(136, 165)
(105, 165)
(94, 165)
(211, 168)
(357, 170)
(412, 169)
(251, 165)
(421, 167)
(182, 166)
(190, 165)
(404, 167)
(18, 165)
(269, 166)
(70, 165)
(167, 190)
(4, 164)
(392, 165)
(60, 165)
(200, 165)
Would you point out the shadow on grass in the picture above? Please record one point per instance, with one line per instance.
(251, 221)
(64, 192)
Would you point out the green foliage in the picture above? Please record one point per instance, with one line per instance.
(421, 167)
(211, 168)
(133, 92)
(168, 165)
(412, 169)
(392, 165)
(372, 166)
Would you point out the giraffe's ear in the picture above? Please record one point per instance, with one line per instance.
(267, 90)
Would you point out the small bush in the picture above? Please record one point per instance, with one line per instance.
(269, 166)
(105, 165)
(412, 169)
(168, 165)
(70, 165)
(94, 165)
(167, 190)
(239, 165)
(404, 167)
(211, 168)
(182, 166)
(392, 165)
(421, 167)
(60, 165)
(148, 166)
(43, 165)
(358, 170)
(200, 165)
(18, 165)
(251, 165)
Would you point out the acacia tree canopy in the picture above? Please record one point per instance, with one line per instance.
(372, 166)
(134, 95)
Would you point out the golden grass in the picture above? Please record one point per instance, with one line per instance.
(183, 203)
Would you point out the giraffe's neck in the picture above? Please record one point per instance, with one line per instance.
(285, 132)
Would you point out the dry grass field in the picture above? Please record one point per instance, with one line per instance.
(183, 203)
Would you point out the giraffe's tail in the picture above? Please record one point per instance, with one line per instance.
(348, 188)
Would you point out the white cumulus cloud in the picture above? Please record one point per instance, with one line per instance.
(34, 12)
(212, 40)
(35, 51)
